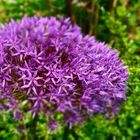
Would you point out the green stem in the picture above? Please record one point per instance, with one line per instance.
(66, 133)
(69, 9)
(71, 131)
(74, 134)
(92, 14)
(114, 6)
(33, 126)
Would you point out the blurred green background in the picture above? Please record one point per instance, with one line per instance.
(117, 22)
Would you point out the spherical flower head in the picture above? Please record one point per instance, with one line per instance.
(47, 65)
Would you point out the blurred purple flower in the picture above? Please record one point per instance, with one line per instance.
(51, 65)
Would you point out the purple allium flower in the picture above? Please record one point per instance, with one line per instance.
(54, 68)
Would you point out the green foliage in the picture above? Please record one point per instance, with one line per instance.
(117, 22)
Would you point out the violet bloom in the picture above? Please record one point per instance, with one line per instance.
(54, 68)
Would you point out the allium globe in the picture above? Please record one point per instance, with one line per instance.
(54, 68)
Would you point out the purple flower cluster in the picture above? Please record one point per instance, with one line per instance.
(50, 66)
